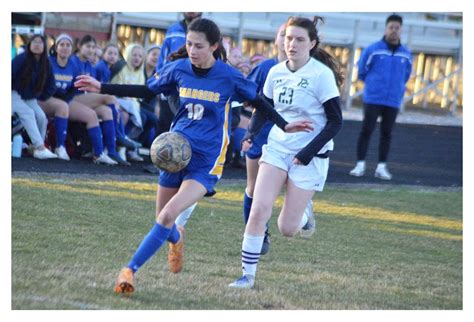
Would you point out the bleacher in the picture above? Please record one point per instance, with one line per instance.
(340, 29)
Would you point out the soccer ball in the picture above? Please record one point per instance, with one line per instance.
(170, 151)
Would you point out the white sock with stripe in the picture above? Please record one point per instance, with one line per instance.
(251, 247)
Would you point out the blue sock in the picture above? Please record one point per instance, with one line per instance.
(60, 125)
(247, 205)
(119, 130)
(128, 127)
(95, 135)
(108, 129)
(174, 235)
(148, 247)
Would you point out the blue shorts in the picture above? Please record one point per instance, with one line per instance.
(197, 170)
(260, 140)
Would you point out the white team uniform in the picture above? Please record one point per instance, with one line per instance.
(299, 96)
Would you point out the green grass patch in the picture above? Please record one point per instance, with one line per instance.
(390, 248)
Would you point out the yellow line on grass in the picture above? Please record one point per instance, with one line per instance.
(370, 213)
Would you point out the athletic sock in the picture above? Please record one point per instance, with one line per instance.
(108, 129)
(251, 247)
(95, 135)
(148, 247)
(247, 206)
(174, 235)
(60, 125)
(119, 129)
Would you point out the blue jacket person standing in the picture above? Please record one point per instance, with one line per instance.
(385, 67)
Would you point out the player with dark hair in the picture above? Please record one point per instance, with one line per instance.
(205, 84)
(65, 73)
(304, 86)
(33, 79)
(106, 106)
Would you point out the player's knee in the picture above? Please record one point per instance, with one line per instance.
(287, 230)
(62, 110)
(167, 216)
(110, 99)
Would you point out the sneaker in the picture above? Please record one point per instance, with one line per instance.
(119, 160)
(44, 154)
(176, 253)
(126, 142)
(137, 144)
(104, 159)
(134, 156)
(124, 283)
(62, 153)
(88, 155)
(382, 172)
(310, 227)
(246, 281)
(359, 169)
(266, 244)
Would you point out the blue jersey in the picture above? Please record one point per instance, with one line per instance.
(85, 67)
(260, 72)
(204, 111)
(102, 71)
(175, 38)
(65, 77)
(259, 75)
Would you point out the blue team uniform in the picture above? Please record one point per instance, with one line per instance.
(259, 75)
(203, 116)
(102, 71)
(85, 67)
(65, 77)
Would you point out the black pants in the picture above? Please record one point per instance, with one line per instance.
(166, 117)
(149, 122)
(371, 113)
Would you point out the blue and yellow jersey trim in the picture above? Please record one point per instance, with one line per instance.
(218, 167)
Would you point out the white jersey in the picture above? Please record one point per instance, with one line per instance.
(299, 96)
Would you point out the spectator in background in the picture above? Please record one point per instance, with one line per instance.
(256, 59)
(107, 67)
(65, 73)
(97, 55)
(244, 68)
(235, 57)
(103, 67)
(175, 38)
(32, 76)
(385, 67)
(149, 108)
(106, 106)
(131, 73)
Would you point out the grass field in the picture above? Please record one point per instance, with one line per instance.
(375, 248)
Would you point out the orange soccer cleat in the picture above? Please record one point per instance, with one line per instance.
(124, 283)
(176, 253)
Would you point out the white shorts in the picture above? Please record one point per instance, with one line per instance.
(310, 177)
